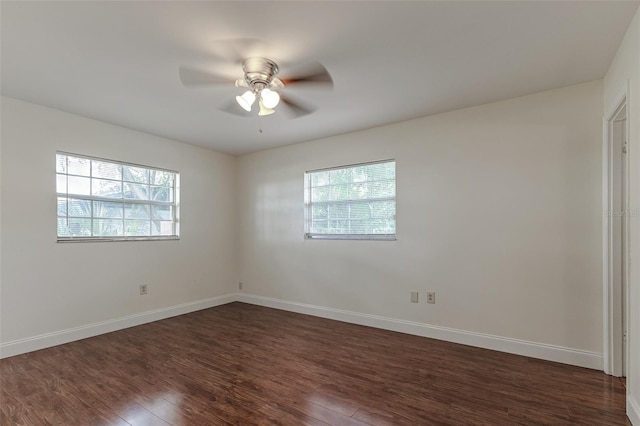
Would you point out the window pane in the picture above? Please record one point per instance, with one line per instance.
(338, 211)
(340, 192)
(162, 193)
(320, 212)
(387, 170)
(79, 208)
(339, 227)
(136, 211)
(382, 189)
(79, 227)
(79, 185)
(135, 174)
(62, 206)
(162, 228)
(106, 209)
(61, 163)
(106, 170)
(320, 194)
(107, 227)
(161, 212)
(84, 183)
(383, 226)
(383, 209)
(339, 176)
(320, 227)
(159, 177)
(360, 191)
(137, 227)
(320, 179)
(135, 191)
(352, 200)
(106, 188)
(361, 173)
(79, 166)
(359, 226)
(63, 228)
(360, 211)
(61, 183)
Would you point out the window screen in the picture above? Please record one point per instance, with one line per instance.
(351, 202)
(110, 200)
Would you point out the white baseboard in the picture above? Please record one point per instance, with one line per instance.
(519, 347)
(633, 410)
(47, 340)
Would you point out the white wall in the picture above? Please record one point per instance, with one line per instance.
(498, 212)
(625, 70)
(50, 287)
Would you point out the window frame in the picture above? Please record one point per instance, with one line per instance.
(308, 206)
(175, 205)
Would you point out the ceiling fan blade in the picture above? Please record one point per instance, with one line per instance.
(194, 77)
(237, 50)
(312, 73)
(296, 108)
(232, 107)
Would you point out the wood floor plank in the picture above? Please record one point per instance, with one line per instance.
(240, 364)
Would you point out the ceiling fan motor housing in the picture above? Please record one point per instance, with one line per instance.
(259, 72)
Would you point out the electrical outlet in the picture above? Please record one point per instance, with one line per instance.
(239, 286)
(143, 289)
(414, 297)
(431, 297)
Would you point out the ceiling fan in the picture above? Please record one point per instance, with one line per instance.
(260, 78)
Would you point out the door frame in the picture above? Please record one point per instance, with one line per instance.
(611, 345)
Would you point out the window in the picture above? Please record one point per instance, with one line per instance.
(352, 202)
(104, 200)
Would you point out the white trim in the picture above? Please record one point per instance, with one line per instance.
(633, 411)
(613, 107)
(29, 344)
(607, 289)
(606, 223)
(561, 354)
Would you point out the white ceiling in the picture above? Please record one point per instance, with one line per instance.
(390, 61)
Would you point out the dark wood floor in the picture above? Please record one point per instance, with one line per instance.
(241, 364)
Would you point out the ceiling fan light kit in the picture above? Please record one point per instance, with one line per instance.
(270, 99)
(260, 78)
(264, 110)
(263, 85)
(246, 100)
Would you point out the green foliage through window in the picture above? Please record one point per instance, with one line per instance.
(356, 201)
(102, 199)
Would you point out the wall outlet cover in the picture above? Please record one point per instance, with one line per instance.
(431, 297)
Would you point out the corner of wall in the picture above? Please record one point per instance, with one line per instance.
(61, 337)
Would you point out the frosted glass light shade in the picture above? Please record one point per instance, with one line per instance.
(269, 98)
(246, 100)
(264, 110)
